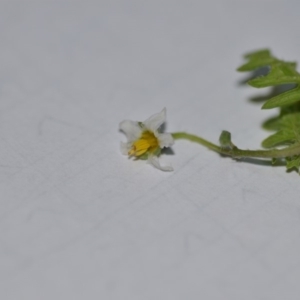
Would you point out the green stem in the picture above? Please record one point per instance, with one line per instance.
(239, 153)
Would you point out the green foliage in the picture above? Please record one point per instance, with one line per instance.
(293, 163)
(287, 123)
(288, 131)
(280, 72)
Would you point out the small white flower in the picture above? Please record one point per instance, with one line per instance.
(144, 139)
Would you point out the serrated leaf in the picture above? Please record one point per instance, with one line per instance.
(262, 53)
(256, 60)
(287, 98)
(288, 68)
(272, 123)
(288, 131)
(276, 139)
(279, 74)
(262, 58)
(255, 64)
(293, 162)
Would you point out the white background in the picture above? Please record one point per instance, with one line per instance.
(80, 221)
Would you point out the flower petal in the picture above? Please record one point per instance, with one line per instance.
(165, 140)
(155, 121)
(153, 160)
(131, 129)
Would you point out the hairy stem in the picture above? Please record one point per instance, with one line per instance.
(239, 153)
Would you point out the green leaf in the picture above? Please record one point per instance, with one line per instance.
(262, 58)
(272, 123)
(258, 54)
(284, 99)
(293, 162)
(280, 73)
(256, 60)
(276, 139)
(288, 131)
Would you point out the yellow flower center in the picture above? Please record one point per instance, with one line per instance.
(146, 143)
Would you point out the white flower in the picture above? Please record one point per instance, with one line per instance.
(144, 139)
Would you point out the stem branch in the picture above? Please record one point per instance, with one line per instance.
(240, 153)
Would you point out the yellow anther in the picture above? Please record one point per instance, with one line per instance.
(147, 142)
(139, 147)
